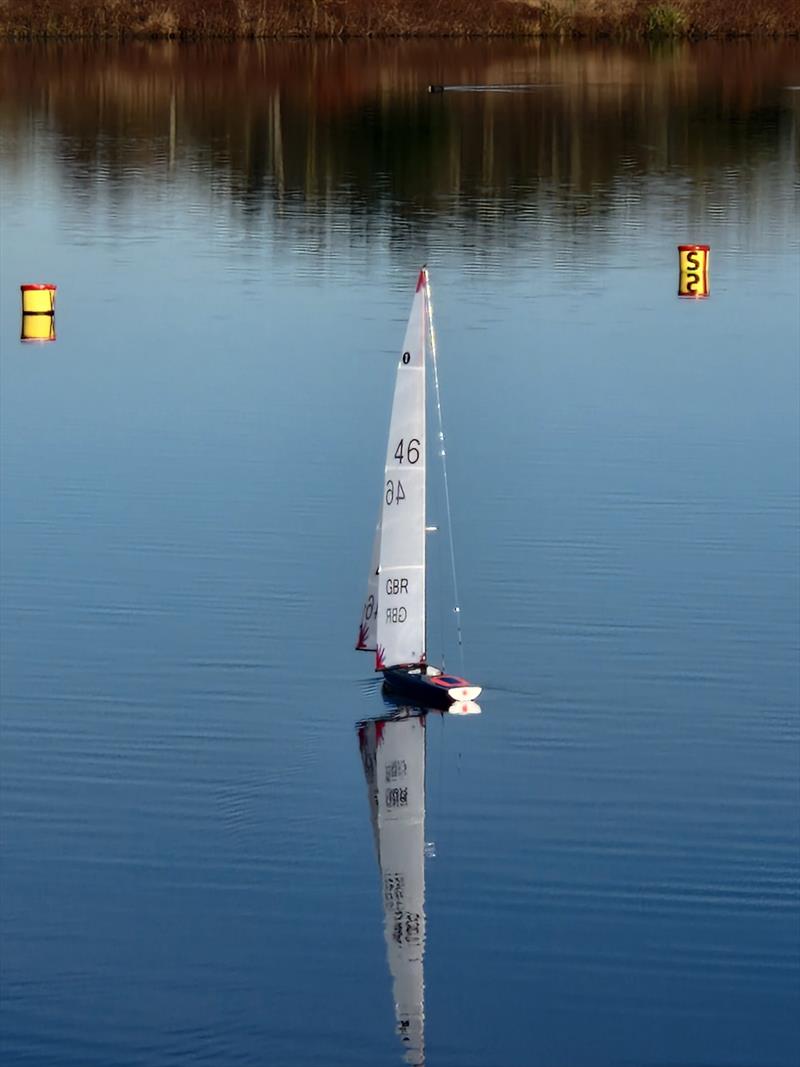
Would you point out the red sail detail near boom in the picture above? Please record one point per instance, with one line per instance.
(379, 660)
(361, 644)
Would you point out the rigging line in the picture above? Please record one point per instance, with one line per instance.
(443, 454)
(440, 612)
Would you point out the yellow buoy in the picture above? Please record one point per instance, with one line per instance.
(38, 299)
(693, 270)
(38, 327)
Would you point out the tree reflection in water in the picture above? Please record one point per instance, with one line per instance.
(349, 128)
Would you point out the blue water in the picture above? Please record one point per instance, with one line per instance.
(189, 482)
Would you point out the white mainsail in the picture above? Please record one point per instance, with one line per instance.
(393, 754)
(400, 627)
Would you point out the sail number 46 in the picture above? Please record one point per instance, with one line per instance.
(411, 453)
(394, 492)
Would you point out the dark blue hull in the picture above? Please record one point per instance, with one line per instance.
(428, 691)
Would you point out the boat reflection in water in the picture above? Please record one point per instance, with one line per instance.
(393, 756)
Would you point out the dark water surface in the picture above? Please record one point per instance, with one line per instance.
(189, 482)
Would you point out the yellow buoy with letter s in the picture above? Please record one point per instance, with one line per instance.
(693, 271)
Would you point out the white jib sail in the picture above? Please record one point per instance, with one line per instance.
(366, 641)
(400, 787)
(401, 595)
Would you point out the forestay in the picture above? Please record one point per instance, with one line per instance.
(400, 631)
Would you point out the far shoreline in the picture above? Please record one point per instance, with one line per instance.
(187, 20)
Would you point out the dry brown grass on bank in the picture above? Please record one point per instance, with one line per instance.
(672, 18)
(265, 18)
(189, 19)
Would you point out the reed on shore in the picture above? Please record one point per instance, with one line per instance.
(194, 19)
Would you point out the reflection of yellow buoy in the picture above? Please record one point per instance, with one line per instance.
(693, 266)
(38, 299)
(38, 327)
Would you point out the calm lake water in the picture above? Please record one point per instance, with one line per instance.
(190, 855)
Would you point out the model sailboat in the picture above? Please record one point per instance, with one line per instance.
(393, 620)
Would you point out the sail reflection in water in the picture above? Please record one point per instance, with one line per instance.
(393, 756)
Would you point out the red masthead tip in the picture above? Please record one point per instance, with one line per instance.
(422, 277)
